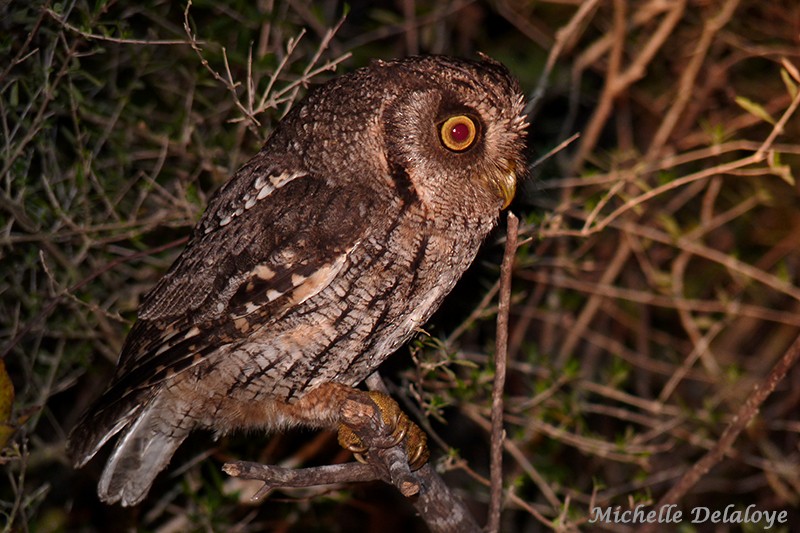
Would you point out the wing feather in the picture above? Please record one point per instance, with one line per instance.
(252, 267)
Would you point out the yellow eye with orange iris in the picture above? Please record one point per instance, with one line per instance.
(458, 133)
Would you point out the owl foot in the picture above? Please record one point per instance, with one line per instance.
(397, 426)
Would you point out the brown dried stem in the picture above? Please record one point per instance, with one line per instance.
(501, 353)
(276, 476)
(441, 510)
(747, 412)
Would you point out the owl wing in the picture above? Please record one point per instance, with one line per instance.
(249, 254)
(252, 256)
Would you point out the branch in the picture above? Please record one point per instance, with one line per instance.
(442, 511)
(276, 476)
(747, 412)
(501, 352)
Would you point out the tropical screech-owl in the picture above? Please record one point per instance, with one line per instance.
(319, 258)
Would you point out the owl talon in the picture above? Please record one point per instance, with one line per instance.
(401, 428)
(419, 457)
(351, 442)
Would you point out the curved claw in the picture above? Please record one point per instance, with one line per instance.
(419, 457)
(350, 441)
(400, 428)
(398, 435)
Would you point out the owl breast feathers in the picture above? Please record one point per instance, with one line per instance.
(318, 259)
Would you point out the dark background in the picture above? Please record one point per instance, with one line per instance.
(657, 282)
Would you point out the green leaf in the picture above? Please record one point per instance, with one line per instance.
(791, 86)
(784, 172)
(754, 109)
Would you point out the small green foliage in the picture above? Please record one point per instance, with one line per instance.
(670, 225)
(618, 372)
(572, 369)
(716, 132)
(783, 171)
(754, 109)
(789, 82)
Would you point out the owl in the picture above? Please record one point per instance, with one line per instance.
(318, 259)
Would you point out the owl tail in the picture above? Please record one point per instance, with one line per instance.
(144, 449)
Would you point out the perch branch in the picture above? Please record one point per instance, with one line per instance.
(276, 476)
(441, 510)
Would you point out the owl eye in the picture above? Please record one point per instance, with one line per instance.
(458, 133)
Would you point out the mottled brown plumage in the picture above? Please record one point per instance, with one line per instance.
(319, 258)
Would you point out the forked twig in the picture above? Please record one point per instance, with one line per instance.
(441, 510)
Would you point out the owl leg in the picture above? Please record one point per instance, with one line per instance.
(327, 402)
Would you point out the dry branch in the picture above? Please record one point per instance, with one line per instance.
(439, 507)
(501, 354)
(746, 413)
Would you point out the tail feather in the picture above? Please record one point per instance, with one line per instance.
(145, 446)
(143, 451)
(95, 428)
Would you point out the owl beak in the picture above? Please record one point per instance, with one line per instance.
(507, 185)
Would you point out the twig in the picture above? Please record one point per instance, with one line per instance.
(441, 510)
(747, 412)
(685, 87)
(441, 11)
(229, 83)
(501, 351)
(44, 313)
(289, 93)
(561, 146)
(276, 476)
(592, 306)
(778, 128)
(701, 250)
(480, 310)
(474, 413)
(23, 53)
(566, 33)
(119, 40)
(618, 79)
(268, 100)
(667, 162)
(592, 227)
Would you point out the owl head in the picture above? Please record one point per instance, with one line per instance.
(456, 128)
(448, 132)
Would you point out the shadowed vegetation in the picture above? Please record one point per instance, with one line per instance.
(656, 284)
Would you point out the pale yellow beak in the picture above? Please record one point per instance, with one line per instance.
(507, 185)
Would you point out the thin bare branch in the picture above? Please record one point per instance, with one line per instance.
(746, 413)
(498, 387)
